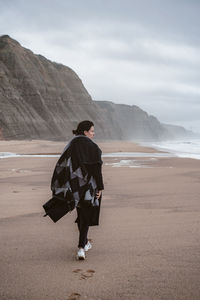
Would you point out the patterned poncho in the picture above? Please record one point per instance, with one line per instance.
(70, 174)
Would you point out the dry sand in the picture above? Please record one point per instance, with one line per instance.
(146, 247)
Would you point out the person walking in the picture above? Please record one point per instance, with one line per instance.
(79, 173)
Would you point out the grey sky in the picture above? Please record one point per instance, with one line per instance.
(144, 52)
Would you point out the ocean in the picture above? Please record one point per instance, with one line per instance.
(181, 148)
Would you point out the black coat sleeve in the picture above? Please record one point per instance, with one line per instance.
(96, 171)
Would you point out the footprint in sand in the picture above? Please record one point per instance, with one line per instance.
(84, 274)
(88, 274)
(74, 296)
(77, 270)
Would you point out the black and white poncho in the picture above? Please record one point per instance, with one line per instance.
(71, 175)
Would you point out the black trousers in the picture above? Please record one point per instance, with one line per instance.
(83, 229)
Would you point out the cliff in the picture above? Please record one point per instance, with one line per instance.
(132, 123)
(178, 131)
(40, 99)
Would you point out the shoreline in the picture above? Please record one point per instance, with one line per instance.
(182, 149)
(118, 149)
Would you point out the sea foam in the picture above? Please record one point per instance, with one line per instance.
(180, 148)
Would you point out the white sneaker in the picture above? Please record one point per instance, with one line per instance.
(88, 246)
(81, 254)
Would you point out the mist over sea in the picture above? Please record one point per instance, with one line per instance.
(189, 148)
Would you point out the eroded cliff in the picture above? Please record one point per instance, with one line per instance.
(40, 98)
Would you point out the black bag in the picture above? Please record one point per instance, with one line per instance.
(58, 206)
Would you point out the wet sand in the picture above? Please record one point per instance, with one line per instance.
(146, 247)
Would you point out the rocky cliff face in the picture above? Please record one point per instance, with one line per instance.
(40, 99)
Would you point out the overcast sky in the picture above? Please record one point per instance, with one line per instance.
(144, 52)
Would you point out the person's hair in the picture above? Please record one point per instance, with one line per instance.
(83, 126)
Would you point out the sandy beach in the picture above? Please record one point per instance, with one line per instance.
(147, 245)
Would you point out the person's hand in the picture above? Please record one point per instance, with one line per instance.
(98, 194)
